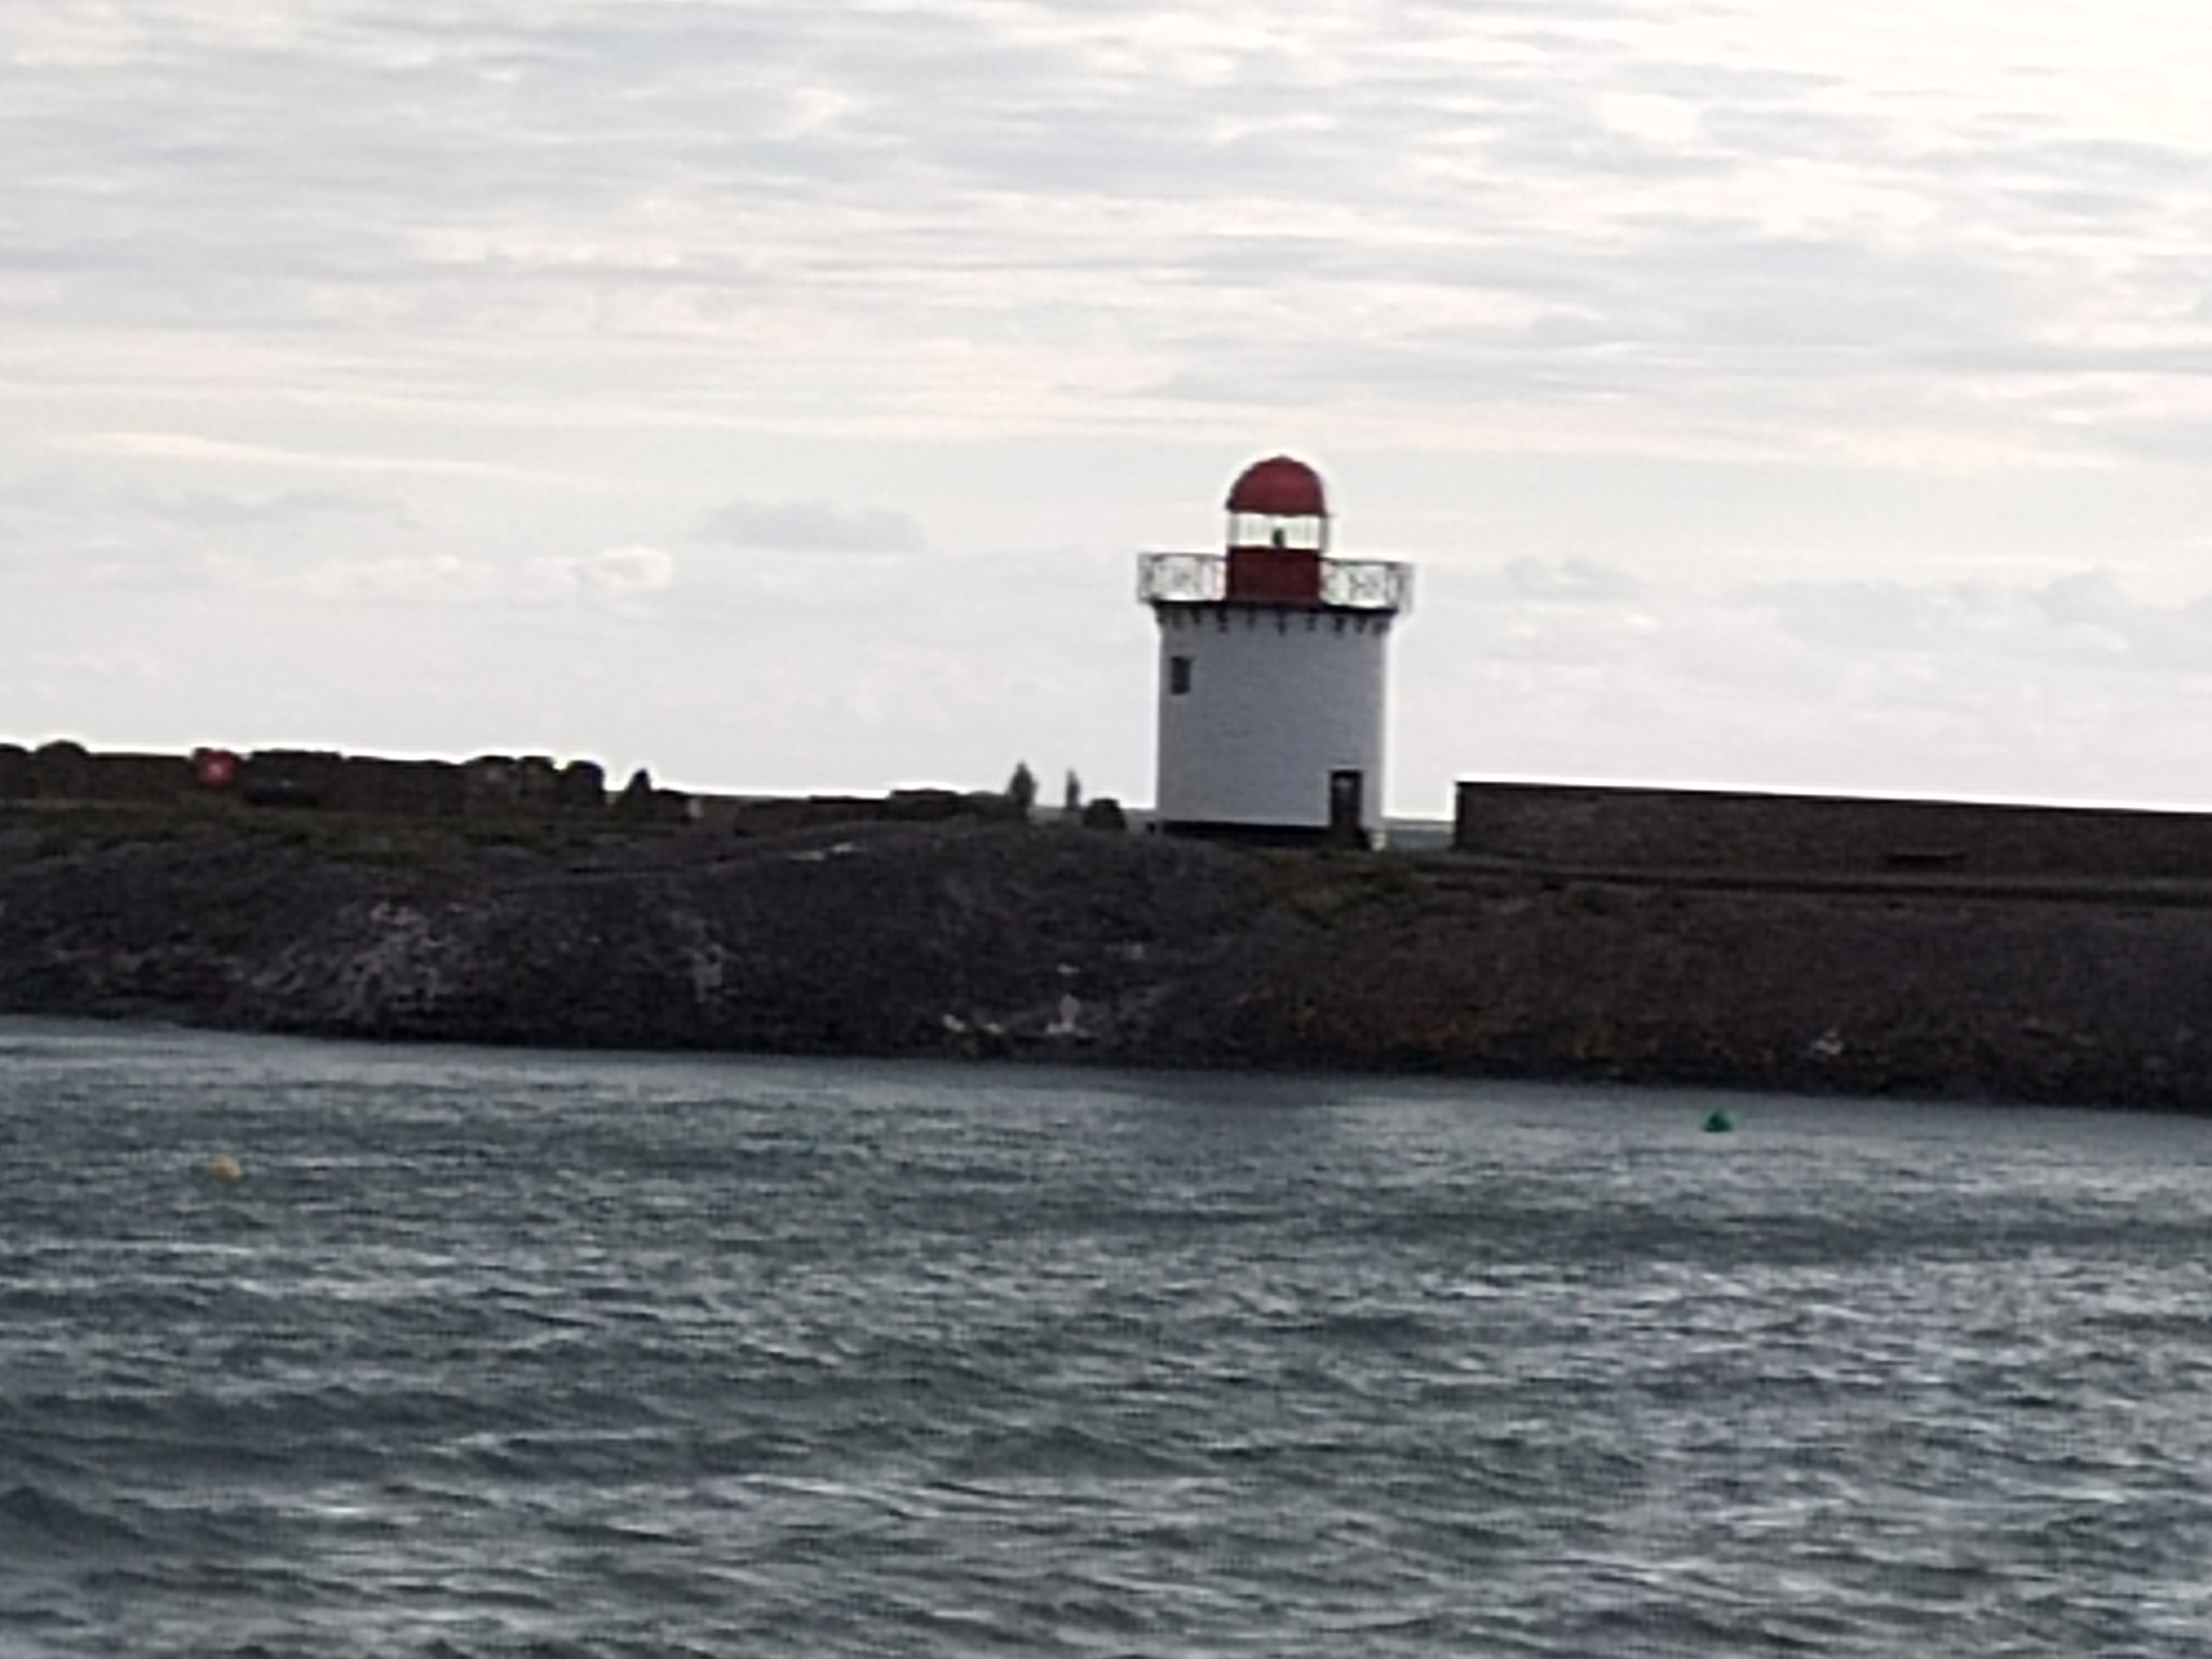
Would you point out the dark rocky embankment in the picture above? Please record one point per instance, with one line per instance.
(978, 938)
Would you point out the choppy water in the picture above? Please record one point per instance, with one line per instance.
(503, 1353)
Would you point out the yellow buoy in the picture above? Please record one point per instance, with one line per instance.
(224, 1168)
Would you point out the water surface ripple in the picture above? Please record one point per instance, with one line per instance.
(519, 1353)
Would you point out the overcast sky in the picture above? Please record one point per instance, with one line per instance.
(777, 395)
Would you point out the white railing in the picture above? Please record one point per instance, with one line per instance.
(1182, 577)
(1203, 579)
(1366, 585)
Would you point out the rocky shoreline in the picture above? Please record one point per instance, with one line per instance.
(998, 940)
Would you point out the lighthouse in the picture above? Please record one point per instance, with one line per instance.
(1273, 668)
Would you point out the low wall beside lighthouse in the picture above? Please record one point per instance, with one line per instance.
(1596, 827)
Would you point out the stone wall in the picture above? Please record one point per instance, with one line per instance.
(1594, 828)
(316, 779)
(68, 771)
(343, 783)
(494, 786)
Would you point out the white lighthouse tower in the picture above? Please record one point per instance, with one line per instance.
(1273, 666)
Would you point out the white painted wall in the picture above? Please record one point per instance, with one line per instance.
(1279, 699)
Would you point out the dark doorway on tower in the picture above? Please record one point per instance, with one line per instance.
(1347, 807)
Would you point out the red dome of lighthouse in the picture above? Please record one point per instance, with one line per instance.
(1279, 487)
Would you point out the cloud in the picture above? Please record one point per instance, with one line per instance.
(811, 528)
(1698, 225)
(62, 496)
(1571, 581)
(614, 577)
(438, 579)
(2084, 618)
(193, 447)
(80, 529)
(327, 309)
(2066, 688)
(615, 573)
(215, 510)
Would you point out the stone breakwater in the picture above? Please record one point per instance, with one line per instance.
(1000, 940)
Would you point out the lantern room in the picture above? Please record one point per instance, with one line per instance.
(1278, 533)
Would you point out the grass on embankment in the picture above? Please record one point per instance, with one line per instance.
(62, 827)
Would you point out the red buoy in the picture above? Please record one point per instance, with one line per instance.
(214, 769)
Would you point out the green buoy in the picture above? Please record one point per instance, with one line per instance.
(1718, 1123)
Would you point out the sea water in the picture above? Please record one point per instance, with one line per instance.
(504, 1352)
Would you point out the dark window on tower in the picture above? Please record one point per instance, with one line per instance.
(1178, 676)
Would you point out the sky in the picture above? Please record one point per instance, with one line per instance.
(777, 396)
